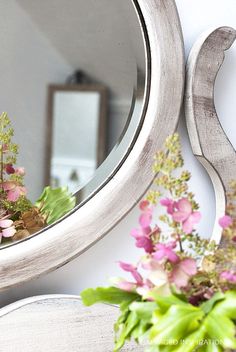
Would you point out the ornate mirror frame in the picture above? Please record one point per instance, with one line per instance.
(89, 222)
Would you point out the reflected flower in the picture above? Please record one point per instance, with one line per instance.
(14, 191)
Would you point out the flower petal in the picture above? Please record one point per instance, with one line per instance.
(189, 223)
(189, 266)
(5, 223)
(9, 232)
(225, 221)
(13, 195)
(184, 205)
(180, 216)
(9, 185)
(144, 205)
(145, 219)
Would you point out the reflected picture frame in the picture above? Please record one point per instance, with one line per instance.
(102, 130)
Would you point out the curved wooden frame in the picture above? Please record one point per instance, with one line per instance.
(75, 233)
(209, 143)
(26, 324)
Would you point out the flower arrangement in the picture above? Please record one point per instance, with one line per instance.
(19, 218)
(177, 301)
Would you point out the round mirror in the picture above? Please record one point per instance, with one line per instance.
(92, 90)
(74, 77)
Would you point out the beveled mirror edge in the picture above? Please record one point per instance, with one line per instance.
(85, 226)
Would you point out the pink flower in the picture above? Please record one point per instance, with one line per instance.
(20, 171)
(184, 214)
(225, 221)
(7, 228)
(160, 281)
(133, 270)
(145, 218)
(228, 276)
(125, 285)
(183, 271)
(143, 240)
(14, 190)
(165, 251)
(169, 203)
(144, 234)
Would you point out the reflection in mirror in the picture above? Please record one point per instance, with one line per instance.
(77, 119)
(42, 44)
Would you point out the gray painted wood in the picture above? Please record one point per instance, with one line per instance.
(209, 141)
(58, 324)
(130, 179)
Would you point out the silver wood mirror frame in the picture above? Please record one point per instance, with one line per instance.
(122, 189)
(209, 142)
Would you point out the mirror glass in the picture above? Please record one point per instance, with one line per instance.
(73, 77)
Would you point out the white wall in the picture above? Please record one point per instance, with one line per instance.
(28, 63)
(97, 264)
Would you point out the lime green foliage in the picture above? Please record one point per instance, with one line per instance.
(170, 324)
(54, 203)
(111, 295)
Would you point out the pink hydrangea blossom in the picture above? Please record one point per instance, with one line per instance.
(184, 214)
(124, 285)
(143, 235)
(14, 191)
(145, 218)
(133, 270)
(183, 271)
(225, 221)
(166, 251)
(7, 229)
(228, 276)
(20, 171)
(169, 203)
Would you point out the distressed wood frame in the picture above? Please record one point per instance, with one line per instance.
(209, 142)
(59, 323)
(88, 223)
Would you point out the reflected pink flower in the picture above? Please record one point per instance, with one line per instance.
(165, 251)
(225, 221)
(14, 190)
(7, 228)
(20, 171)
(184, 214)
(183, 271)
(228, 276)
